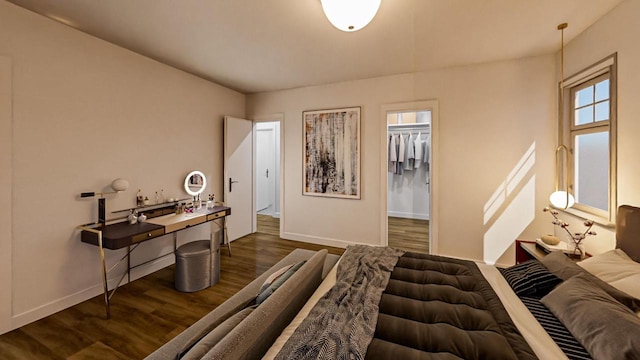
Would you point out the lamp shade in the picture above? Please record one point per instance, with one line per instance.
(350, 15)
(120, 184)
(559, 200)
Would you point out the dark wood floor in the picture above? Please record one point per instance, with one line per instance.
(405, 234)
(149, 311)
(145, 313)
(409, 234)
(268, 225)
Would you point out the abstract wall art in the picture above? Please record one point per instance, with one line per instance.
(331, 149)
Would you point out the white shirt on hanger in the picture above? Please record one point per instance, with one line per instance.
(418, 150)
(392, 149)
(409, 153)
(393, 157)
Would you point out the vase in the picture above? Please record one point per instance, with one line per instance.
(578, 250)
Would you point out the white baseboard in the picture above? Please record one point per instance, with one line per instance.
(408, 215)
(52, 307)
(320, 240)
(273, 214)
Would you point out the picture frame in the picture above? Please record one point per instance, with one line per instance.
(331, 153)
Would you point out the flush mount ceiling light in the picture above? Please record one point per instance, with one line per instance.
(350, 15)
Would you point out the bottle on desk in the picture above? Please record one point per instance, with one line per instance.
(132, 218)
(139, 198)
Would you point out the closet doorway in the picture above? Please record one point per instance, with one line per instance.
(267, 175)
(409, 179)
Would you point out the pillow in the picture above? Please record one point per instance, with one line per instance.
(231, 307)
(606, 328)
(273, 277)
(530, 278)
(617, 269)
(629, 285)
(564, 268)
(199, 349)
(252, 338)
(264, 294)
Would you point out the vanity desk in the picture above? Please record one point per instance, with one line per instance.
(120, 235)
(162, 219)
(123, 235)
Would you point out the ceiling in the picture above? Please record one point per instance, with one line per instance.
(264, 45)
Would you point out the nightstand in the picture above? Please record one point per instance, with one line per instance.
(527, 250)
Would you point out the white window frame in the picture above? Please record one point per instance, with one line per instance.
(569, 131)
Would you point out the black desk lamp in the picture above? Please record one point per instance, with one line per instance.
(117, 185)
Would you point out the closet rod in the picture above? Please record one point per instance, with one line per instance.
(417, 126)
(408, 127)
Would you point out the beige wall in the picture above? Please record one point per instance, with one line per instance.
(615, 32)
(78, 112)
(84, 113)
(5, 187)
(491, 115)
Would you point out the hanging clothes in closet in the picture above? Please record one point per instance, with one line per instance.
(422, 152)
(409, 153)
(393, 154)
(396, 153)
(400, 150)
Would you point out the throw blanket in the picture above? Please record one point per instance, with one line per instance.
(342, 323)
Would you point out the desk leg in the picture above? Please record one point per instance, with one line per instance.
(211, 250)
(129, 263)
(224, 234)
(175, 241)
(105, 285)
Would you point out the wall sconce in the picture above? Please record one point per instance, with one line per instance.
(350, 15)
(562, 199)
(117, 185)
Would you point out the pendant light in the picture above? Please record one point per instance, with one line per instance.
(350, 15)
(562, 199)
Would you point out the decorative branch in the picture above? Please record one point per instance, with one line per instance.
(575, 237)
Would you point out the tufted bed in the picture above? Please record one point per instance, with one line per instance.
(381, 303)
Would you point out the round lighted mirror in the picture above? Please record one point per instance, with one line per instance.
(195, 183)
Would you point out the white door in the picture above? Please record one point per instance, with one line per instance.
(238, 176)
(264, 169)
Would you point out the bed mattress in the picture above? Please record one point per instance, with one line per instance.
(464, 319)
(437, 305)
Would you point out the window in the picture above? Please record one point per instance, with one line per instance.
(588, 129)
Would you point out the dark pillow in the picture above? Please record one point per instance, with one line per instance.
(273, 277)
(531, 279)
(264, 294)
(605, 327)
(564, 268)
(208, 341)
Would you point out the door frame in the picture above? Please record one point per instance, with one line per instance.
(270, 162)
(277, 117)
(421, 105)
